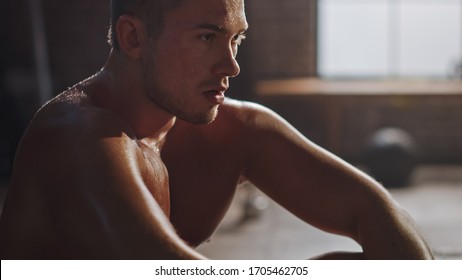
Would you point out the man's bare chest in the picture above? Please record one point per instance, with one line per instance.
(202, 185)
(204, 168)
(155, 176)
(194, 190)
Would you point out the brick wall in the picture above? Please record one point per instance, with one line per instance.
(75, 37)
(76, 32)
(344, 124)
(280, 38)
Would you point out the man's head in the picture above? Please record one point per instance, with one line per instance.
(185, 65)
(150, 11)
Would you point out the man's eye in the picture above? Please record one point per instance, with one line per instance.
(208, 37)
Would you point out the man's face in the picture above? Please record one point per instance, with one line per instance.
(187, 67)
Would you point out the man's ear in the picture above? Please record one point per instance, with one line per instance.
(131, 34)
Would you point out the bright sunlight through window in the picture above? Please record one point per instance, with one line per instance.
(387, 39)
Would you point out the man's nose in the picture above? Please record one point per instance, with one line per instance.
(228, 65)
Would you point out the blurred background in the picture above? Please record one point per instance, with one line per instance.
(377, 82)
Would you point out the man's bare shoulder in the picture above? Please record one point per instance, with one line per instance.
(73, 113)
(243, 109)
(69, 129)
(253, 119)
(247, 113)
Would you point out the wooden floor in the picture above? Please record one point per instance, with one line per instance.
(434, 200)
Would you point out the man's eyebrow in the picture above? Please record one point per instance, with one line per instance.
(213, 27)
(217, 28)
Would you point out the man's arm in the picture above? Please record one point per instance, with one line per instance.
(328, 193)
(100, 204)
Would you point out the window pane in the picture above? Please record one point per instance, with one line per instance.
(389, 38)
(353, 38)
(430, 39)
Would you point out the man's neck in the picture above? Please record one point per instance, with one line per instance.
(116, 90)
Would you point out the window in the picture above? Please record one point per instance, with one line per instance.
(386, 39)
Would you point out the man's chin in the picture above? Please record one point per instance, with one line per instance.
(200, 119)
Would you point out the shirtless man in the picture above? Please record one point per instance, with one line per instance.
(119, 167)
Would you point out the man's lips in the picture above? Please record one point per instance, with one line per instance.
(217, 97)
(216, 94)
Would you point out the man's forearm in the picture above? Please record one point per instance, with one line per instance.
(391, 234)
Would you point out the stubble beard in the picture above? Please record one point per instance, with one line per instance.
(167, 101)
